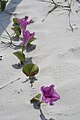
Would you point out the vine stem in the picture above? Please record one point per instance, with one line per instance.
(31, 81)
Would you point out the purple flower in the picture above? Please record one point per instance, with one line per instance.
(49, 94)
(27, 36)
(24, 22)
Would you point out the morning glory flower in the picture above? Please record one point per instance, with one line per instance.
(24, 22)
(27, 36)
(49, 95)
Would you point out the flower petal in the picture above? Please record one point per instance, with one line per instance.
(51, 102)
(26, 17)
(49, 94)
(45, 100)
(23, 22)
(26, 36)
(56, 96)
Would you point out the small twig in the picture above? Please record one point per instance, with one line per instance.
(9, 83)
(43, 1)
(5, 30)
(56, 5)
(7, 34)
(5, 37)
(69, 14)
(50, 11)
(9, 43)
(0, 57)
(10, 13)
(64, 7)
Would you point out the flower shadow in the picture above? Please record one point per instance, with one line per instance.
(30, 48)
(16, 43)
(42, 116)
(19, 66)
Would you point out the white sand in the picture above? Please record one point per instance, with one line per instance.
(57, 54)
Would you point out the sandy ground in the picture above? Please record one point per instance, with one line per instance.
(57, 53)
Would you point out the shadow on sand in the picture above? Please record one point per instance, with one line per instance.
(42, 116)
(19, 66)
(6, 15)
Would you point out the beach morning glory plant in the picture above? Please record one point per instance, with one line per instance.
(28, 37)
(48, 95)
(20, 24)
(19, 27)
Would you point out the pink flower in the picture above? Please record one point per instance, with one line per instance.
(49, 94)
(27, 36)
(24, 22)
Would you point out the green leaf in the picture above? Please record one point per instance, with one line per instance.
(31, 40)
(17, 30)
(30, 70)
(15, 20)
(36, 98)
(3, 4)
(20, 56)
